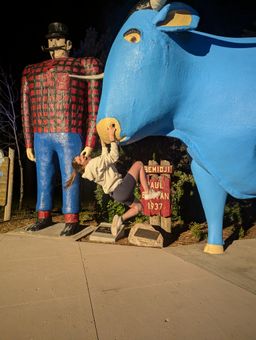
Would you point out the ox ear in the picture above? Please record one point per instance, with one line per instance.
(176, 17)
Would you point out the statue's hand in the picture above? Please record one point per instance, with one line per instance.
(30, 154)
(86, 151)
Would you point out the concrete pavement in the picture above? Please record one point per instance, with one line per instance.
(58, 288)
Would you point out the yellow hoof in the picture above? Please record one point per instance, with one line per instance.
(213, 249)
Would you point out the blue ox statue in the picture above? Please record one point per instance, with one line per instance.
(163, 78)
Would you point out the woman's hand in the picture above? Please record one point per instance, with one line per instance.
(86, 151)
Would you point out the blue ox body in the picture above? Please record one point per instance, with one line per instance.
(164, 78)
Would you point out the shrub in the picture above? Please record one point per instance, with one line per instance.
(196, 230)
(107, 207)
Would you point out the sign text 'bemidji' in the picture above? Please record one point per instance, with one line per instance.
(158, 169)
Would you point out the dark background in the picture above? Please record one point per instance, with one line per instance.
(23, 26)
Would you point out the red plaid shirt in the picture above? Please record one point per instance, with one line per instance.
(51, 101)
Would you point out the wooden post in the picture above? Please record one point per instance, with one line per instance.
(8, 207)
(166, 223)
(4, 170)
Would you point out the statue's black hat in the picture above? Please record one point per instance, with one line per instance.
(57, 30)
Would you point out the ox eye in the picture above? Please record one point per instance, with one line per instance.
(132, 35)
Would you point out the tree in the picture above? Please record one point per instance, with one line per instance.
(95, 44)
(10, 135)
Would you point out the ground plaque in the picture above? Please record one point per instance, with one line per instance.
(145, 235)
(102, 233)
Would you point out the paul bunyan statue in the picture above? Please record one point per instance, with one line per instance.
(59, 113)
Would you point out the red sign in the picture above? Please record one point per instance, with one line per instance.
(162, 205)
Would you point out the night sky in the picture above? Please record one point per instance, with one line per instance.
(24, 28)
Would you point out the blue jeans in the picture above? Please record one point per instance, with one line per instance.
(65, 146)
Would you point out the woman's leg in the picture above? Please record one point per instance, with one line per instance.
(135, 208)
(137, 171)
(117, 222)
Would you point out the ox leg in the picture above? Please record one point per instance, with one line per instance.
(213, 199)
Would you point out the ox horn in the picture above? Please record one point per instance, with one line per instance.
(91, 77)
(157, 4)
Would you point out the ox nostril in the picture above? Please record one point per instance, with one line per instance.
(104, 124)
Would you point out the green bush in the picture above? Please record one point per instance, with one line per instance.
(107, 207)
(232, 213)
(182, 184)
(196, 230)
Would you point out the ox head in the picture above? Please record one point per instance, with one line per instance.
(140, 86)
